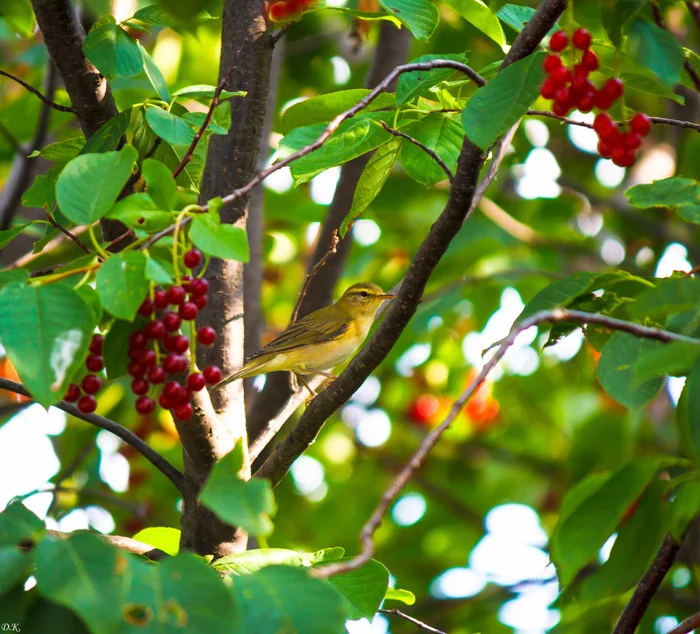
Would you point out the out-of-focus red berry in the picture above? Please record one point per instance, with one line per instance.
(171, 321)
(95, 363)
(192, 258)
(614, 88)
(155, 329)
(581, 39)
(138, 339)
(558, 41)
(156, 374)
(72, 393)
(551, 62)
(212, 374)
(160, 299)
(176, 295)
(96, 344)
(184, 411)
(91, 384)
(196, 382)
(87, 404)
(641, 124)
(589, 60)
(147, 307)
(145, 405)
(206, 335)
(139, 386)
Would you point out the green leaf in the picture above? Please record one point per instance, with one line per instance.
(656, 49)
(159, 15)
(90, 183)
(516, 17)
(439, 133)
(168, 127)
(673, 358)
(13, 275)
(109, 136)
(55, 323)
(371, 181)
(362, 589)
(92, 299)
(324, 108)
(206, 90)
(248, 504)
(690, 412)
(220, 121)
(420, 16)
(160, 184)
(112, 50)
(253, 560)
(154, 75)
(647, 83)
(80, 572)
(595, 513)
(669, 192)
(42, 192)
(15, 567)
(478, 14)
(671, 295)
(18, 524)
(287, 599)
(122, 284)
(116, 341)
(560, 294)
(419, 82)
(19, 15)
(396, 594)
(685, 507)
(615, 14)
(353, 138)
(139, 211)
(634, 549)
(163, 537)
(220, 240)
(61, 150)
(500, 104)
(159, 271)
(10, 234)
(616, 370)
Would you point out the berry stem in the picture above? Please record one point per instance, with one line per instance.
(103, 254)
(176, 240)
(193, 347)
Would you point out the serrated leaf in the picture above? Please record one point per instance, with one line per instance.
(122, 284)
(109, 136)
(672, 358)
(10, 234)
(170, 128)
(42, 192)
(154, 75)
(420, 16)
(418, 82)
(496, 107)
(220, 240)
(324, 108)
(88, 186)
(560, 294)
(253, 560)
(248, 504)
(139, 211)
(371, 181)
(656, 49)
(159, 15)
(163, 537)
(159, 271)
(206, 90)
(669, 192)
(220, 121)
(671, 295)
(55, 323)
(438, 133)
(112, 50)
(478, 14)
(615, 14)
(160, 184)
(61, 150)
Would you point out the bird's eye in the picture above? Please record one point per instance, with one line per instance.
(364, 294)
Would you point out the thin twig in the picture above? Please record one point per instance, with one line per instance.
(65, 231)
(332, 249)
(648, 585)
(280, 33)
(583, 124)
(423, 147)
(129, 437)
(688, 625)
(419, 624)
(126, 544)
(30, 88)
(397, 485)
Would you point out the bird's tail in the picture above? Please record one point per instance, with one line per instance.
(249, 369)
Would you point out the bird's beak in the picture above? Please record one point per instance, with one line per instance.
(386, 296)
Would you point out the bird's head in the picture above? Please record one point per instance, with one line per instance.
(363, 299)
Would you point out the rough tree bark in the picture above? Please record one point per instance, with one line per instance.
(231, 162)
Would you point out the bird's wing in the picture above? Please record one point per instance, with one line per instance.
(304, 332)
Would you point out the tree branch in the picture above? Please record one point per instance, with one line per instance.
(430, 252)
(129, 437)
(419, 624)
(687, 625)
(583, 124)
(397, 485)
(30, 88)
(67, 233)
(126, 544)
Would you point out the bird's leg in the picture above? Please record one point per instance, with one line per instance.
(306, 385)
(328, 375)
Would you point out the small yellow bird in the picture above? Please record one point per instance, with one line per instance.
(320, 341)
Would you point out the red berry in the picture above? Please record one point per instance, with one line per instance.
(212, 374)
(580, 85)
(199, 287)
(134, 354)
(165, 402)
(605, 149)
(176, 295)
(561, 107)
(561, 76)
(145, 405)
(73, 393)
(641, 124)
(87, 404)
(581, 39)
(136, 369)
(147, 308)
(138, 339)
(551, 62)
(192, 258)
(609, 133)
(589, 60)
(631, 140)
(580, 69)
(139, 386)
(602, 122)
(171, 321)
(95, 363)
(278, 12)
(602, 100)
(185, 396)
(200, 302)
(169, 342)
(549, 89)
(155, 329)
(91, 384)
(184, 411)
(156, 374)
(614, 88)
(585, 102)
(206, 335)
(196, 382)
(96, 344)
(558, 41)
(188, 311)
(171, 390)
(623, 156)
(147, 358)
(186, 281)
(181, 344)
(175, 363)
(160, 299)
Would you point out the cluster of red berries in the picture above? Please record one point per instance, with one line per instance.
(288, 10)
(571, 88)
(91, 383)
(161, 337)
